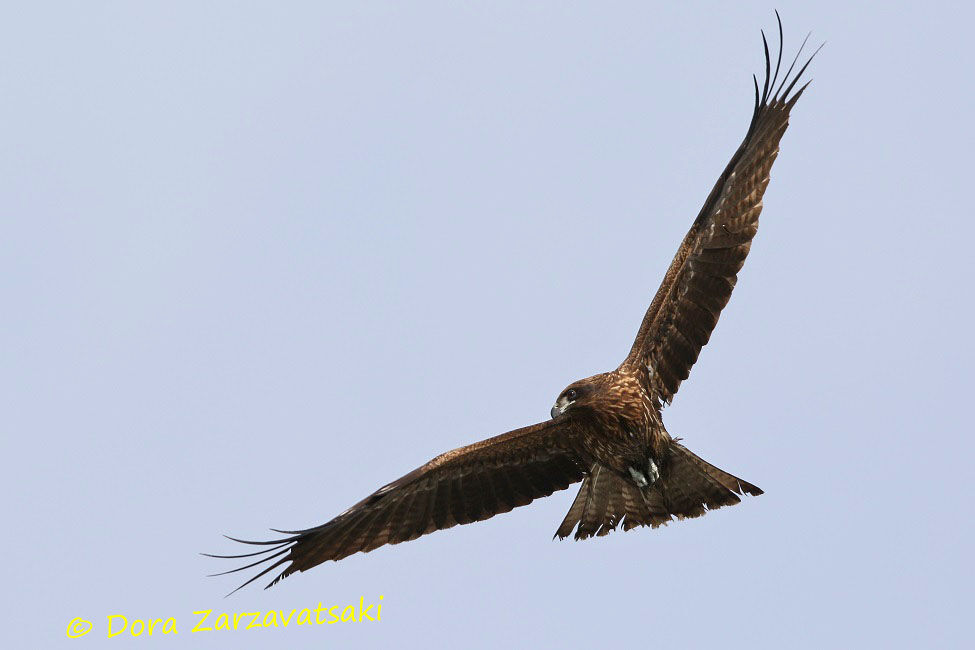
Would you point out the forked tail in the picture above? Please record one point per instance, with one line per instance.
(688, 486)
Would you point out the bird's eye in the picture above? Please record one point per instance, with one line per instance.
(571, 395)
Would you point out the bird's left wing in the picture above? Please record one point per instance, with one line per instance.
(700, 279)
(468, 484)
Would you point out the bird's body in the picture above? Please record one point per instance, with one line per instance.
(623, 427)
(606, 430)
(636, 473)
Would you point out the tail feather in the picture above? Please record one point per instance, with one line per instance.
(647, 507)
(595, 513)
(614, 506)
(719, 476)
(574, 516)
(689, 487)
(634, 507)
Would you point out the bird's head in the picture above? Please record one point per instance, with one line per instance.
(577, 395)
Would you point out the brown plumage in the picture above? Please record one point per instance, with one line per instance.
(606, 430)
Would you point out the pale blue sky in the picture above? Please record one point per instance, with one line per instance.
(259, 259)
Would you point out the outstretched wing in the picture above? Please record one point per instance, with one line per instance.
(700, 279)
(468, 484)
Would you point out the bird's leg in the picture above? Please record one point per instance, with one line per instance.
(646, 477)
(638, 477)
(653, 472)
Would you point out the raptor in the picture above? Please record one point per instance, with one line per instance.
(605, 431)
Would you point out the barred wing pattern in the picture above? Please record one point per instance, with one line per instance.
(703, 273)
(468, 484)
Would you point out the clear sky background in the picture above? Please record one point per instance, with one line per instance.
(258, 259)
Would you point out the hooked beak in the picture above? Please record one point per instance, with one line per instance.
(560, 407)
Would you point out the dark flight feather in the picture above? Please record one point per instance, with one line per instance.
(454, 488)
(703, 273)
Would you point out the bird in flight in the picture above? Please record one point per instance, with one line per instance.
(605, 430)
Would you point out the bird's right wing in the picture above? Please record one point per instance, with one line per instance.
(468, 484)
(702, 275)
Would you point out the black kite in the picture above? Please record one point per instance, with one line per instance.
(605, 431)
